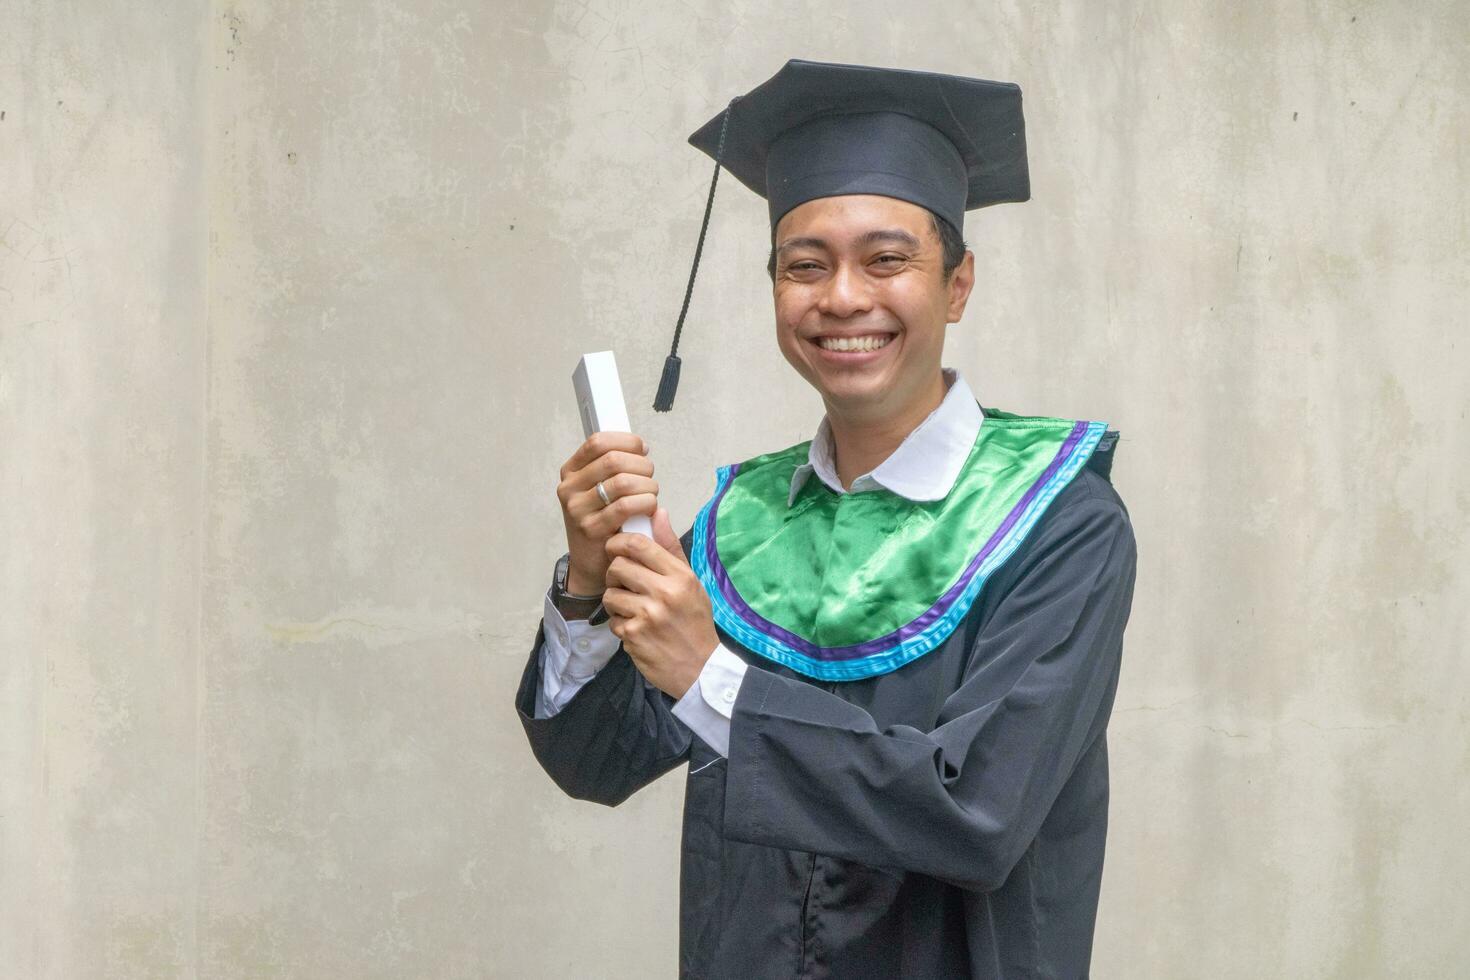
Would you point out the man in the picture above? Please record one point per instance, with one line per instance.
(890, 656)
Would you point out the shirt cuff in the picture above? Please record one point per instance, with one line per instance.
(572, 654)
(709, 704)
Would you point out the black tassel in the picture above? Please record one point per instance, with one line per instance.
(667, 385)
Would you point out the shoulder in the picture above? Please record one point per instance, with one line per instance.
(1085, 536)
(1093, 493)
(1087, 517)
(1087, 523)
(1089, 498)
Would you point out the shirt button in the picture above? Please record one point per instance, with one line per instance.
(561, 635)
(728, 695)
(583, 645)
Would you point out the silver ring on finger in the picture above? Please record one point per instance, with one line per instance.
(602, 492)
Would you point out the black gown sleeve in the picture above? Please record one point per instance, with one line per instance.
(811, 772)
(616, 735)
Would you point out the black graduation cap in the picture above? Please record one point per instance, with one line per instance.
(814, 129)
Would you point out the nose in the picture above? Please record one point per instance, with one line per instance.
(846, 293)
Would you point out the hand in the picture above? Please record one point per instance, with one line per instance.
(620, 460)
(658, 608)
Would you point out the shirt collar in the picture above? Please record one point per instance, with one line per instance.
(923, 467)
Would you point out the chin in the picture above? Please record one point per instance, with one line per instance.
(855, 391)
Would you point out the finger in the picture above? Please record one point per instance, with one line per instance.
(601, 443)
(604, 522)
(622, 603)
(639, 548)
(629, 576)
(604, 468)
(611, 464)
(608, 520)
(663, 534)
(617, 487)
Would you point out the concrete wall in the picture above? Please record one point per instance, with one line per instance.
(289, 297)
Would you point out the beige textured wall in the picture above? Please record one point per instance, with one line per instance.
(289, 297)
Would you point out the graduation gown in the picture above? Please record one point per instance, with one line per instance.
(945, 819)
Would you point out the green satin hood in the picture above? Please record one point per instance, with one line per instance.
(846, 586)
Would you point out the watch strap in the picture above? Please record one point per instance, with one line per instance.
(570, 604)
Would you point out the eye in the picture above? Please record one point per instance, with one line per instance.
(804, 265)
(890, 257)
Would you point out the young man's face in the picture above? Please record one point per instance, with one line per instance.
(870, 268)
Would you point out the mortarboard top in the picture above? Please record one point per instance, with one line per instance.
(814, 129)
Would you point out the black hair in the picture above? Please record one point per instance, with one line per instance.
(951, 243)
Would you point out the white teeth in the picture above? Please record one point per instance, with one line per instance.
(854, 343)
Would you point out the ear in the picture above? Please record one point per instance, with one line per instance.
(961, 282)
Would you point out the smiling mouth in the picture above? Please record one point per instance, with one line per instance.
(870, 342)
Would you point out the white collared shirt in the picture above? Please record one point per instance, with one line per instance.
(923, 467)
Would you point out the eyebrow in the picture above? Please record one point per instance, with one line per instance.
(867, 238)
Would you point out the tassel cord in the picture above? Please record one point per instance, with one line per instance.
(670, 380)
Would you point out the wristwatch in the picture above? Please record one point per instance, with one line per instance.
(569, 604)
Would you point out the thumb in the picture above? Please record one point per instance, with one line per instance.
(663, 533)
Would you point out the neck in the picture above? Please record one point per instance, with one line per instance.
(860, 444)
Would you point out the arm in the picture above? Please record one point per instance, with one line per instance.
(614, 732)
(808, 771)
(574, 651)
(708, 705)
(614, 737)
